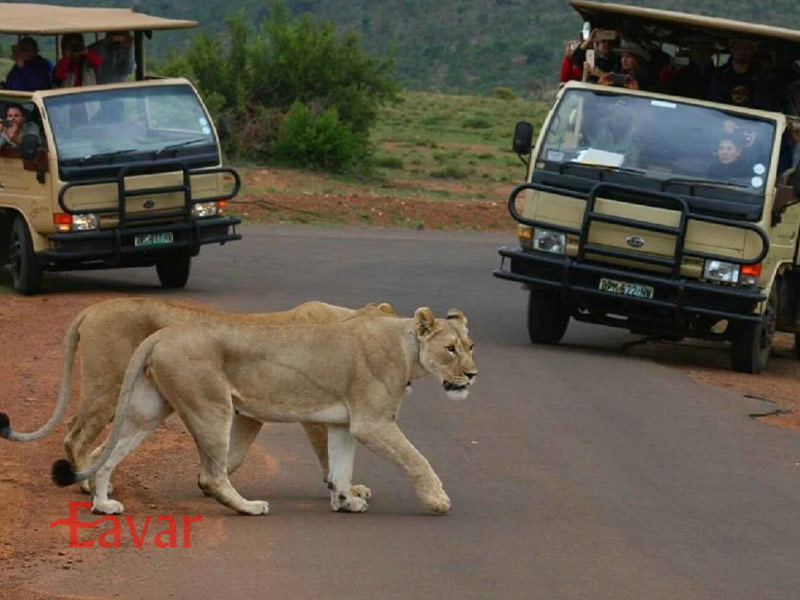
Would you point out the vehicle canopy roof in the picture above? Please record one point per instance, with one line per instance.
(47, 19)
(677, 27)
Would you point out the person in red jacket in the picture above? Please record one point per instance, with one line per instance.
(78, 66)
(570, 71)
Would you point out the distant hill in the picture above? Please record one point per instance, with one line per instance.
(452, 45)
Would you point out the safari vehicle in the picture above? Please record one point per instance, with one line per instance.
(123, 175)
(644, 238)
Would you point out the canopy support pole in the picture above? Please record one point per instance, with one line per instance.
(138, 49)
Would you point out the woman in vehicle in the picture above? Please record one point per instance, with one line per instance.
(728, 165)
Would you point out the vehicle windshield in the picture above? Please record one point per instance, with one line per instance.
(101, 127)
(663, 140)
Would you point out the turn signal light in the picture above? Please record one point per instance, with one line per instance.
(750, 274)
(63, 222)
(752, 270)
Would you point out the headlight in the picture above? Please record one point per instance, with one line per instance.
(204, 209)
(84, 222)
(718, 270)
(546, 240)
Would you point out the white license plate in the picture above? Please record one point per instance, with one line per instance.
(624, 288)
(153, 239)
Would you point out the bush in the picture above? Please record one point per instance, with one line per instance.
(389, 162)
(504, 93)
(477, 123)
(321, 140)
(259, 76)
(451, 172)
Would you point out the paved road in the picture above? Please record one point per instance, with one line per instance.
(575, 472)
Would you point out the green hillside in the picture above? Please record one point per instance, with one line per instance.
(452, 45)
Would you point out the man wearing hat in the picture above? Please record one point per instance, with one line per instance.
(604, 59)
(632, 73)
(738, 82)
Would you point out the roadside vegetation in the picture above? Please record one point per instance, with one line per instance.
(440, 161)
(289, 90)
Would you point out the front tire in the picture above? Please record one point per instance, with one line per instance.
(547, 317)
(26, 271)
(173, 270)
(752, 342)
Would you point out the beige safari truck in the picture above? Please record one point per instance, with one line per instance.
(628, 218)
(118, 175)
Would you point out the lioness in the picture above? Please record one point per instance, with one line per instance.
(349, 375)
(110, 331)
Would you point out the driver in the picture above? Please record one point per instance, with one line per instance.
(729, 153)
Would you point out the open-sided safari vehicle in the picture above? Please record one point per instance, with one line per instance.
(646, 235)
(122, 175)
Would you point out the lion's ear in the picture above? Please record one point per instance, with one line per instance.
(425, 321)
(459, 317)
(387, 308)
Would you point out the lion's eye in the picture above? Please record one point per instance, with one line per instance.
(451, 348)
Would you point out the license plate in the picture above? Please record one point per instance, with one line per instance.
(153, 239)
(624, 288)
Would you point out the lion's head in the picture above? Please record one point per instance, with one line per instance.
(445, 350)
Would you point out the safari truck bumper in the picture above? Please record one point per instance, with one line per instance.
(141, 239)
(655, 300)
(129, 247)
(674, 304)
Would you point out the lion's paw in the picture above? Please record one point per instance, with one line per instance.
(361, 491)
(353, 505)
(107, 507)
(255, 507)
(439, 503)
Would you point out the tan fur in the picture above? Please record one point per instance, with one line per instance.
(109, 332)
(350, 375)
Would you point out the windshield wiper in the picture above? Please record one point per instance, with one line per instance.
(108, 155)
(177, 145)
(631, 170)
(691, 181)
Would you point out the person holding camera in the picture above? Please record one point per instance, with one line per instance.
(632, 73)
(78, 66)
(116, 50)
(599, 42)
(15, 127)
(31, 71)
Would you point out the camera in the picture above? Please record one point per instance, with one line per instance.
(620, 80)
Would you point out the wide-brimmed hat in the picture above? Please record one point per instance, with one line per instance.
(632, 48)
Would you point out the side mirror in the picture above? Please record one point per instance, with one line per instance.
(30, 146)
(523, 138)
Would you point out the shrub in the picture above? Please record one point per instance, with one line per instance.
(317, 140)
(264, 72)
(389, 162)
(504, 93)
(477, 123)
(451, 172)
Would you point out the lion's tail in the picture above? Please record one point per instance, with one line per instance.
(63, 472)
(70, 345)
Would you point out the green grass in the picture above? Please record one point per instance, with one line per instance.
(467, 138)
